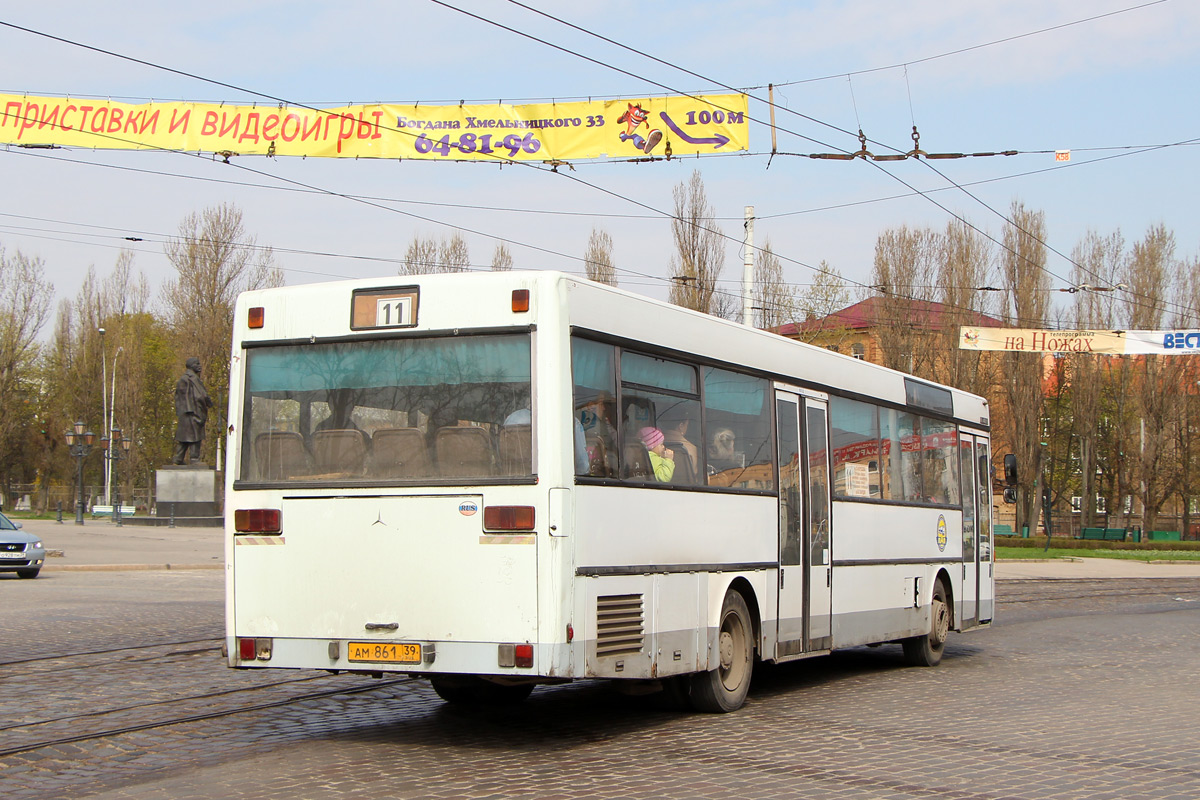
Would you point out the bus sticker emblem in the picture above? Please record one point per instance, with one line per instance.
(467, 508)
(941, 539)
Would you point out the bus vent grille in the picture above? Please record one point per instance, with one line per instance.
(620, 625)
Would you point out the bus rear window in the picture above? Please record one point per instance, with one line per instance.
(402, 409)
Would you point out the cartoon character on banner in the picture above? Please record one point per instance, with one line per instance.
(635, 117)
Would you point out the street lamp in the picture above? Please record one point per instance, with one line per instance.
(114, 450)
(80, 444)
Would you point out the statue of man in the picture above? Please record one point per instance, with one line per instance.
(191, 409)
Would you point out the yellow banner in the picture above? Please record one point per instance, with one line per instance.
(537, 132)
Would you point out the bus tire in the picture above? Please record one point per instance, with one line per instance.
(926, 651)
(473, 690)
(724, 689)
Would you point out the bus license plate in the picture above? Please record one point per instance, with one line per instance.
(384, 652)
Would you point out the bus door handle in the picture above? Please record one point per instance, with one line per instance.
(382, 626)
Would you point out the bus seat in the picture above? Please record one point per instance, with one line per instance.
(400, 453)
(636, 463)
(598, 464)
(516, 450)
(685, 468)
(281, 454)
(464, 452)
(340, 452)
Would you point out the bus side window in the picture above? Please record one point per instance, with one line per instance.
(594, 376)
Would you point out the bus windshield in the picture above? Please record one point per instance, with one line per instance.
(410, 410)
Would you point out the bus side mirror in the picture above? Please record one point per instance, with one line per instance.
(1010, 470)
(1010, 494)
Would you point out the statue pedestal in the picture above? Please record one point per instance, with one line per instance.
(187, 490)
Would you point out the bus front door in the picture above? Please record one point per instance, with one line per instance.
(804, 545)
(967, 601)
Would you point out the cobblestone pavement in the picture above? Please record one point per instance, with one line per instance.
(1084, 689)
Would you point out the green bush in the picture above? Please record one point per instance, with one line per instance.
(1066, 543)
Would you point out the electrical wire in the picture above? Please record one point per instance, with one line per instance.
(962, 50)
(614, 194)
(961, 219)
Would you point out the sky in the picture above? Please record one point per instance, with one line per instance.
(1109, 80)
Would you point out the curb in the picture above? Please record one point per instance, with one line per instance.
(125, 567)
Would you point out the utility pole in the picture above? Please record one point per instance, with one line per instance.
(748, 271)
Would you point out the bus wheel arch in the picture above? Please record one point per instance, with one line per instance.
(724, 688)
(926, 650)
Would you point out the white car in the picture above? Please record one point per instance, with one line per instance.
(20, 552)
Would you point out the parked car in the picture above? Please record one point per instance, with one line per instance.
(20, 552)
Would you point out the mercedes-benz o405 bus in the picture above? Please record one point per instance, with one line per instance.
(504, 479)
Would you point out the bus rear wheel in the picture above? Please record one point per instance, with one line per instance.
(926, 651)
(474, 690)
(724, 689)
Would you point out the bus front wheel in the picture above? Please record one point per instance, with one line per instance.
(724, 689)
(926, 651)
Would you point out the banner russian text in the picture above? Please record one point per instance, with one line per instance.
(642, 128)
(1018, 340)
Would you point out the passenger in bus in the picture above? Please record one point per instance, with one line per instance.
(687, 463)
(600, 438)
(662, 460)
(722, 452)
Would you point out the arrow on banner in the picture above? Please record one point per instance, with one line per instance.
(719, 141)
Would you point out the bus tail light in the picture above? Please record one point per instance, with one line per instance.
(515, 655)
(257, 520)
(524, 655)
(508, 518)
(520, 300)
(256, 317)
(251, 649)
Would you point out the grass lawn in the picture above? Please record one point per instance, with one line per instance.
(1128, 555)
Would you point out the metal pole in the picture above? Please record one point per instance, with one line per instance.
(117, 495)
(112, 414)
(748, 272)
(104, 434)
(79, 477)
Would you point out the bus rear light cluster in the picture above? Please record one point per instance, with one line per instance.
(251, 649)
(515, 655)
(257, 520)
(508, 518)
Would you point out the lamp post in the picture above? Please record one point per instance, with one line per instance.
(80, 444)
(114, 450)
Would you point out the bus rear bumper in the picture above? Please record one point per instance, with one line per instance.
(515, 660)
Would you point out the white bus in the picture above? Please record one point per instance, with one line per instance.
(503, 479)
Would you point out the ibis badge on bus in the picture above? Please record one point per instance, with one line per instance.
(941, 536)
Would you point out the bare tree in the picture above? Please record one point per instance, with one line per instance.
(963, 272)
(1149, 276)
(214, 260)
(428, 256)
(502, 260)
(454, 255)
(775, 302)
(903, 276)
(1026, 284)
(695, 267)
(598, 260)
(421, 258)
(1099, 262)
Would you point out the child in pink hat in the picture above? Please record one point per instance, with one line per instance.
(662, 460)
